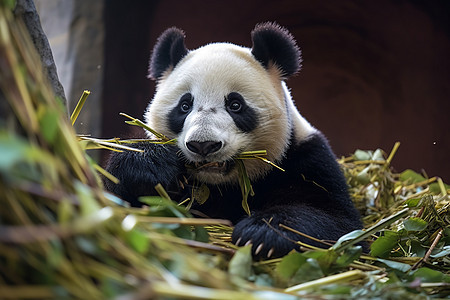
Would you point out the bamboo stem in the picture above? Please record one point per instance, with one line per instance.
(79, 106)
(333, 279)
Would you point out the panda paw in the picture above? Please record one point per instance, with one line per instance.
(268, 240)
(139, 172)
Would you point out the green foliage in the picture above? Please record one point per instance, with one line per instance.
(383, 245)
(246, 186)
(415, 224)
(409, 176)
(241, 263)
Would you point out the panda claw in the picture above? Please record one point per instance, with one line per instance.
(248, 243)
(269, 254)
(239, 240)
(259, 248)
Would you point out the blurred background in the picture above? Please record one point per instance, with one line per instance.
(374, 72)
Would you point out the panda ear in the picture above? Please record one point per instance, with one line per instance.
(168, 51)
(274, 44)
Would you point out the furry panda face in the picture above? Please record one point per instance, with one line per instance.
(218, 102)
(222, 99)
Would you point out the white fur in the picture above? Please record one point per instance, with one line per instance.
(209, 74)
(300, 126)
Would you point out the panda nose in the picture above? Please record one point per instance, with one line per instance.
(204, 148)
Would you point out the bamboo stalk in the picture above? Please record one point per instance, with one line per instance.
(332, 279)
(26, 292)
(183, 221)
(139, 123)
(79, 106)
(393, 151)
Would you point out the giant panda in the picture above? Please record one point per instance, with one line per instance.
(218, 101)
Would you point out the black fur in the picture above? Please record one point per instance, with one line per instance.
(310, 196)
(139, 172)
(178, 114)
(274, 44)
(246, 119)
(168, 51)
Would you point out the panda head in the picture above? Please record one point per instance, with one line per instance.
(222, 99)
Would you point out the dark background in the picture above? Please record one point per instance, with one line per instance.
(374, 72)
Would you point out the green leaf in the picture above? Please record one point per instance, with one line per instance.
(378, 155)
(246, 186)
(308, 271)
(415, 224)
(153, 201)
(290, 264)
(241, 263)
(362, 155)
(337, 290)
(360, 235)
(416, 248)
(138, 240)
(201, 234)
(436, 189)
(441, 252)
(349, 256)
(184, 232)
(363, 177)
(263, 279)
(429, 275)
(348, 237)
(411, 177)
(395, 265)
(413, 202)
(201, 193)
(326, 259)
(160, 206)
(382, 246)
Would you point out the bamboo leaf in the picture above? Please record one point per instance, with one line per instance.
(415, 224)
(395, 265)
(411, 176)
(241, 263)
(383, 245)
(246, 186)
(138, 240)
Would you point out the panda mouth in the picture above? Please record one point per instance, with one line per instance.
(213, 167)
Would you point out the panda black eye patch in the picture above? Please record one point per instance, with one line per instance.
(179, 113)
(243, 115)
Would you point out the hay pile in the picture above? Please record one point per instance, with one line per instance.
(63, 237)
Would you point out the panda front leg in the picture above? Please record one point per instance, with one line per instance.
(270, 240)
(140, 172)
